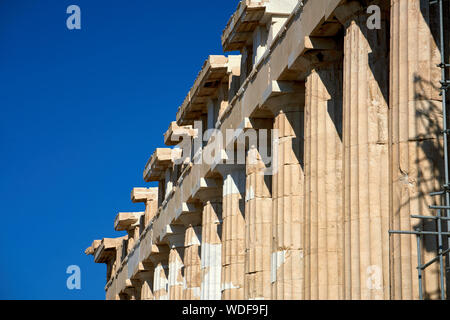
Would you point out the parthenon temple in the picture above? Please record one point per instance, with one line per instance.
(292, 158)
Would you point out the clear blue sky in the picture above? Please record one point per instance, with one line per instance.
(81, 111)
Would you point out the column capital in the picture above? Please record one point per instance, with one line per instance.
(353, 10)
(159, 255)
(173, 236)
(284, 96)
(189, 214)
(206, 189)
(345, 13)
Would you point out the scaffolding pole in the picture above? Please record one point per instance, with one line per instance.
(419, 233)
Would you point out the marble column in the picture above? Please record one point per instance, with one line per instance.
(161, 280)
(233, 233)
(258, 233)
(211, 250)
(287, 273)
(324, 223)
(176, 279)
(192, 263)
(366, 160)
(416, 146)
(147, 286)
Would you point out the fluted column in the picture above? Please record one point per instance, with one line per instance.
(258, 222)
(192, 263)
(233, 233)
(366, 164)
(147, 286)
(176, 279)
(324, 223)
(211, 250)
(416, 149)
(161, 281)
(287, 207)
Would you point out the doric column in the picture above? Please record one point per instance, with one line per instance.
(161, 274)
(158, 265)
(324, 274)
(211, 249)
(147, 286)
(416, 150)
(192, 263)
(176, 279)
(174, 237)
(190, 216)
(366, 157)
(258, 221)
(233, 232)
(287, 272)
(160, 281)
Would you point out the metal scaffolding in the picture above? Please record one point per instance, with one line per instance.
(445, 84)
